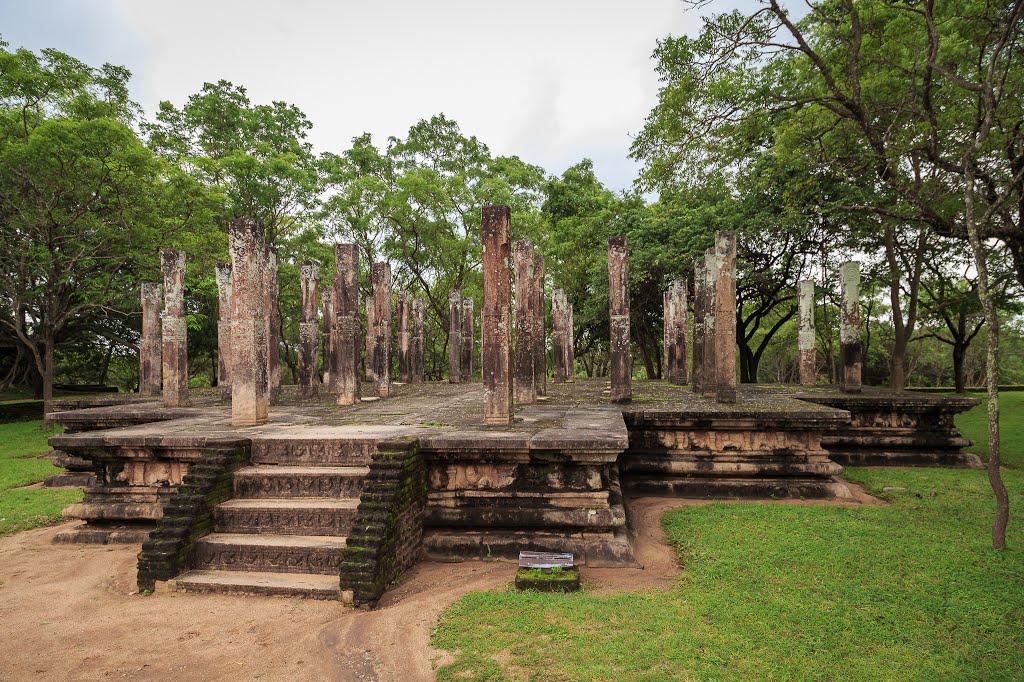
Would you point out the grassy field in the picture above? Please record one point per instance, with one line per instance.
(20, 509)
(911, 591)
(974, 425)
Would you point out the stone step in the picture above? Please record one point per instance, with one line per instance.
(261, 583)
(271, 552)
(325, 446)
(299, 481)
(292, 516)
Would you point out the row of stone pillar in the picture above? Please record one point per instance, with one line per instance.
(461, 339)
(849, 330)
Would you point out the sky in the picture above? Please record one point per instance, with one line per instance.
(551, 81)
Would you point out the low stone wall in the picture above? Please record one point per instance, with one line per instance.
(387, 535)
(189, 515)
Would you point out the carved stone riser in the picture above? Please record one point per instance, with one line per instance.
(902, 420)
(909, 458)
(145, 473)
(725, 441)
(725, 488)
(479, 476)
(482, 515)
(879, 441)
(276, 485)
(313, 452)
(595, 549)
(272, 559)
(819, 466)
(285, 521)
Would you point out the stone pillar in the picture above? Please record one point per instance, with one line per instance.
(175, 333)
(382, 327)
(805, 339)
(540, 357)
(309, 279)
(273, 328)
(849, 327)
(327, 298)
(468, 342)
(417, 341)
(559, 337)
(224, 330)
(249, 398)
(371, 339)
(455, 337)
(620, 353)
(668, 329)
(681, 331)
(725, 317)
(149, 344)
(525, 349)
(699, 309)
(404, 339)
(345, 367)
(495, 324)
(570, 348)
(709, 381)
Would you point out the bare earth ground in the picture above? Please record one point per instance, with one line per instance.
(70, 612)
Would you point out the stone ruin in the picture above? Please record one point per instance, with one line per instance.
(328, 495)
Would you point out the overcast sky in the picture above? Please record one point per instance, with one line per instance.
(550, 81)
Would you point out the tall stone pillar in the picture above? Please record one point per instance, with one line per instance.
(525, 349)
(309, 280)
(559, 337)
(668, 329)
(149, 345)
(175, 333)
(849, 327)
(224, 329)
(680, 320)
(699, 310)
(455, 337)
(273, 327)
(404, 339)
(382, 323)
(417, 341)
(805, 339)
(621, 355)
(540, 350)
(710, 379)
(345, 367)
(570, 348)
(249, 399)
(495, 324)
(371, 339)
(725, 317)
(468, 343)
(327, 299)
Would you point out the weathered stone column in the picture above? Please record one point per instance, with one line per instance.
(681, 317)
(309, 280)
(495, 324)
(710, 378)
(371, 339)
(540, 350)
(559, 337)
(404, 338)
(620, 353)
(224, 330)
(849, 327)
(468, 343)
(382, 323)
(417, 341)
(327, 299)
(455, 337)
(725, 317)
(273, 328)
(699, 313)
(525, 349)
(345, 367)
(149, 344)
(175, 333)
(668, 329)
(805, 338)
(570, 348)
(249, 399)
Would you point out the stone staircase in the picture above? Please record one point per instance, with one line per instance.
(285, 529)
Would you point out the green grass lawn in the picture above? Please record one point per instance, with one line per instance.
(912, 591)
(974, 425)
(20, 445)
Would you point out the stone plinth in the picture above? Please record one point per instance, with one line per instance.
(418, 370)
(455, 337)
(309, 337)
(382, 327)
(224, 329)
(525, 349)
(540, 351)
(805, 335)
(345, 367)
(270, 291)
(620, 352)
(495, 324)
(149, 346)
(249, 397)
(725, 317)
(404, 338)
(849, 327)
(174, 329)
(468, 344)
